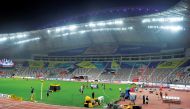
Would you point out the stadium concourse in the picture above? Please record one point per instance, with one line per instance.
(123, 59)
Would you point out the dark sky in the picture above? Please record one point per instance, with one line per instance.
(21, 15)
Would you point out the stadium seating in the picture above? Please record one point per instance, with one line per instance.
(155, 71)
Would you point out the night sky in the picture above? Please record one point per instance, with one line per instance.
(22, 15)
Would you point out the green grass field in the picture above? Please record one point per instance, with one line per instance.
(68, 96)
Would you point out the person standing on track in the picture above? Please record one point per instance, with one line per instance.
(143, 99)
(147, 99)
(93, 95)
(161, 94)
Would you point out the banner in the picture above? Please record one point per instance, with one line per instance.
(115, 65)
(86, 64)
(171, 64)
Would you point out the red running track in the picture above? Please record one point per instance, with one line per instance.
(12, 104)
(155, 102)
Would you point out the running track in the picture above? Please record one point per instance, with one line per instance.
(12, 104)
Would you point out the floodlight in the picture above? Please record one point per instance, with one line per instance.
(110, 23)
(101, 24)
(130, 28)
(58, 29)
(12, 37)
(63, 28)
(82, 32)
(72, 27)
(146, 20)
(48, 31)
(3, 39)
(72, 33)
(165, 19)
(92, 25)
(123, 29)
(20, 35)
(176, 19)
(172, 28)
(65, 34)
(118, 22)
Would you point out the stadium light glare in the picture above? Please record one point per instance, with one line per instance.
(82, 32)
(153, 27)
(146, 20)
(48, 31)
(58, 29)
(72, 33)
(92, 24)
(21, 35)
(176, 19)
(123, 29)
(130, 28)
(101, 24)
(72, 27)
(65, 34)
(12, 37)
(118, 22)
(62, 28)
(3, 39)
(27, 40)
(110, 23)
(172, 28)
(166, 19)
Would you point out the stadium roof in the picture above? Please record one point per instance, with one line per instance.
(121, 31)
(22, 15)
(180, 9)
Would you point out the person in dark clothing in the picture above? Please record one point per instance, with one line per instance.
(32, 90)
(166, 94)
(93, 94)
(143, 99)
(48, 93)
(147, 99)
(104, 86)
(161, 94)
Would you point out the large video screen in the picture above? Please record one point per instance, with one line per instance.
(6, 63)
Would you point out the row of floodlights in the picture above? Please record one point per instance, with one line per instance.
(166, 19)
(12, 36)
(96, 30)
(27, 40)
(91, 25)
(21, 41)
(174, 28)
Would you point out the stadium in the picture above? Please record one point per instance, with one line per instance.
(140, 61)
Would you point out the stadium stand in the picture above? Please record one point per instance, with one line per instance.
(171, 71)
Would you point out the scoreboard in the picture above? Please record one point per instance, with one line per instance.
(6, 63)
